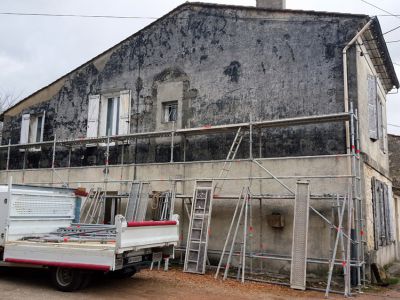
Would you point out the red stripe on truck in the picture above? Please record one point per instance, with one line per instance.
(58, 264)
(151, 223)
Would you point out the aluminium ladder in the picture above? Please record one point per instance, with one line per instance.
(197, 241)
(91, 208)
(228, 161)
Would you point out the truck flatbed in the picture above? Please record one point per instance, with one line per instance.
(45, 234)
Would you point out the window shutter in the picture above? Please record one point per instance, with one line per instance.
(42, 128)
(372, 107)
(103, 116)
(93, 116)
(375, 207)
(392, 229)
(25, 128)
(124, 112)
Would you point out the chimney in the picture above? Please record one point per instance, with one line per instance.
(272, 4)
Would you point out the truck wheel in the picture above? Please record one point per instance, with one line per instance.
(86, 280)
(123, 273)
(66, 279)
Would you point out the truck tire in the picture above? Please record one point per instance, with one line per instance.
(66, 279)
(86, 280)
(123, 273)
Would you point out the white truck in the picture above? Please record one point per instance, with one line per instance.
(39, 226)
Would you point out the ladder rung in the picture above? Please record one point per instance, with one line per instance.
(200, 216)
(192, 261)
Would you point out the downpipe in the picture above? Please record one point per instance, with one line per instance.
(346, 80)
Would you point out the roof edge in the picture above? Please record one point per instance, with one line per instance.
(94, 58)
(186, 4)
(385, 51)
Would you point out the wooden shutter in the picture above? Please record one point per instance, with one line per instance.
(24, 138)
(42, 127)
(103, 116)
(93, 116)
(372, 107)
(375, 208)
(124, 112)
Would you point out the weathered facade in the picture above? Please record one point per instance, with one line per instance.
(203, 65)
(229, 63)
(394, 158)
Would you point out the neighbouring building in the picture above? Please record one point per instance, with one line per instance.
(394, 159)
(166, 98)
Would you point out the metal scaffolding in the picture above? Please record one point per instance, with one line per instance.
(355, 211)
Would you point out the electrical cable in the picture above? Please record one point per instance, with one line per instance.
(381, 9)
(388, 12)
(75, 15)
(391, 30)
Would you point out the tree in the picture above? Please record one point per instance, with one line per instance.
(7, 100)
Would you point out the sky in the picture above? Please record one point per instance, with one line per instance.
(34, 51)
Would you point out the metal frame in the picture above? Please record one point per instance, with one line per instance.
(354, 179)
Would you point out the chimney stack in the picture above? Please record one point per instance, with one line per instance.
(272, 4)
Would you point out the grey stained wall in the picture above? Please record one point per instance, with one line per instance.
(231, 63)
(394, 159)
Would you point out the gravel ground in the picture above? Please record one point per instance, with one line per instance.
(174, 284)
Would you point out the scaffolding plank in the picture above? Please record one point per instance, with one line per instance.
(300, 234)
(137, 202)
(287, 122)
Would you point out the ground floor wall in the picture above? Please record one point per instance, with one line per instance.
(328, 175)
(386, 254)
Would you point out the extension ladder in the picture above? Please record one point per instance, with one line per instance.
(197, 241)
(228, 161)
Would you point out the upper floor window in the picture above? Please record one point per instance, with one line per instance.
(109, 114)
(376, 114)
(32, 128)
(170, 110)
(112, 116)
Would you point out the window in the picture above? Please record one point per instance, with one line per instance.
(32, 128)
(376, 114)
(109, 114)
(170, 110)
(382, 214)
(112, 116)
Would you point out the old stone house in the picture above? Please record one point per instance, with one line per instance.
(202, 66)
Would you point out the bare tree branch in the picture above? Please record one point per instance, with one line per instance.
(7, 99)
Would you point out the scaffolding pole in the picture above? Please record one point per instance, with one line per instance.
(8, 154)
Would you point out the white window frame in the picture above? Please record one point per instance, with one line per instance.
(29, 128)
(167, 112)
(99, 116)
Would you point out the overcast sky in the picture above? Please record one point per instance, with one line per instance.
(34, 51)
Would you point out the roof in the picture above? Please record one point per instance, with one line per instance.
(375, 32)
(378, 52)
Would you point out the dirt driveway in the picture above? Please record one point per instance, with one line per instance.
(35, 284)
